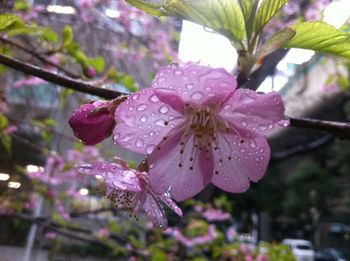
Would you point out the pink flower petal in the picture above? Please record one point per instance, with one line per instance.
(115, 176)
(143, 121)
(196, 84)
(171, 168)
(258, 113)
(171, 204)
(155, 211)
(236, 163)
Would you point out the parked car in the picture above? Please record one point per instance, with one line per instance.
(329, 254)
(302, 249)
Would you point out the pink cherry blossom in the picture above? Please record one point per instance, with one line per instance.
(191, 242)
(129, 190)
(92, 122)
(213, 215)
(29, 81)
(199, 129)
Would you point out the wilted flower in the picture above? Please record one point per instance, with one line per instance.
(93, 122)
(129, 190)
(199, 129)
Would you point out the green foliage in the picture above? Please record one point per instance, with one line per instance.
(158, 254)
(21, 5)
(320, 37)
(277, 252)
(267, 10)
(223, 16)
(67, 36)
(124, 79)
(10, 21)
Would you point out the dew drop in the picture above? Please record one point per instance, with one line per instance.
(128, 137)
(244, 123)
(142, 107)
(197, 96)
(154, 98)
(139, 143)
(160, 123)
(189, 86)
(135, 97)
(164, 109)
(178, 72)
(143, 118)
(150, 148)
(161, 79)
(252, 144)
(151, 134)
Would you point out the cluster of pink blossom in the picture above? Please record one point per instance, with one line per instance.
(59, 175)
(196, 129)
(213, 214)
(191, 242)
(136, 22)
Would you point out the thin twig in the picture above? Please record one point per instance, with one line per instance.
(339, 129)
(61, 80)
(38, 56)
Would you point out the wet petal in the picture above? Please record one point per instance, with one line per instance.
(115, 175)
(171, 204)
(196, 84)
(155, 211)
(259, 113)
(183, 170)
(236, 163)
(143, 121)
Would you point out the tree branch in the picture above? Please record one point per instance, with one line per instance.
(302, 148)
(339, 129)
(67, 82)
(37, 56)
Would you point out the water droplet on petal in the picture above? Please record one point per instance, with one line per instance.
(153, 98)
(189, 86)
(143, 118)
(151, 134)
(161, 79)
(149, 149)
(197, 96)
(164, 109)
(142, 107)
(252, 144)
(244, 123)
(139, 143)
(135, 97)
(178, 72)
(128, 137)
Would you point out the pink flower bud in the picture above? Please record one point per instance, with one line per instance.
(90, 72)
(93, 122)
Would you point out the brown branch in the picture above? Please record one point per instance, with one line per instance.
(339, 129)
(38, 56)
(53, 77)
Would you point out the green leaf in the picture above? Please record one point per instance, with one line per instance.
(6, 141)
(224, 16)
(149, 7)
(67, 36)
(98, 63)
(267, 10)
(343, 82)
(248, 8)
(10, 20)
(3, 121)
(320, 37)
(276, 41)
(47, 33)
(21, 5)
